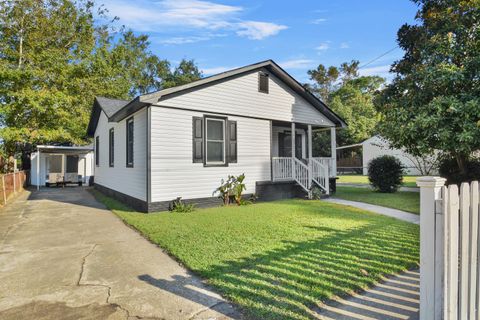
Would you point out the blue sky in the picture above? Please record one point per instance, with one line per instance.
(220, 35)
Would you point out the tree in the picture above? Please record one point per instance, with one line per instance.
(351, 97)
(54, 58)
(186, 72)
(433, 103)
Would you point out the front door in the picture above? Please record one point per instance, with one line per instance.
(285, 144)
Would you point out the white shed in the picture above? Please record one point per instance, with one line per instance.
(357, 156)
(61, 164)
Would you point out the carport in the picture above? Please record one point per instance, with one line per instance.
(62, 165)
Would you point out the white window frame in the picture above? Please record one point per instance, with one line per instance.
(222, 141)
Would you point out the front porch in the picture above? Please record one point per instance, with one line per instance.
(300, 165)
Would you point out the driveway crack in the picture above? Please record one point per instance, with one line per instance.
(109, 289)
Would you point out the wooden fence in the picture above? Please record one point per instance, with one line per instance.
(449, 250)
(12, 183)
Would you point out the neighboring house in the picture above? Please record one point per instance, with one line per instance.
(181, 141)
(61, 164)
(356, 157)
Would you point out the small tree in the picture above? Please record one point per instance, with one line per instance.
(385, 173)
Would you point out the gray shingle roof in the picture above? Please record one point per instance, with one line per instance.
(111, 106)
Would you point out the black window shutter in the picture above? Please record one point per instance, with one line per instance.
(232, 141)
(197, 134)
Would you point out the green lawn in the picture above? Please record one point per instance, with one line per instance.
(406, 201)
(277, 260)
(408, 181)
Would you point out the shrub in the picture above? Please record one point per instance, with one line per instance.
(449, 170)
(178, 205)
(317, 193)
(385, 173)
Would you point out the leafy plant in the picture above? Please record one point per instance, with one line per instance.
(385, 173)
(179, 206)
(317, 193)
(231, 190)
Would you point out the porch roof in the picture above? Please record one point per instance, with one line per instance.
(65, 149)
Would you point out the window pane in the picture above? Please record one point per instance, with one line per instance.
(214, 151)
(214, 130)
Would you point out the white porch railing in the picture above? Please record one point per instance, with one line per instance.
(329, 162)
(318, 171)
(301, 174)
(320, 174)
(282, 168)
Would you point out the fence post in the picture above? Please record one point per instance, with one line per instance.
(431, 248)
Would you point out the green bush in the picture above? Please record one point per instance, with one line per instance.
(385, 174)
(178, 205)
(449, 170)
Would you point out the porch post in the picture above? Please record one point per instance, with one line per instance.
(333, 140)
(38, 168)
(293, 150)
(309, 154)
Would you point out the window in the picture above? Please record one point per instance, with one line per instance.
(97, 151)
(263, 82)
(130, 143)
(215, 141)
(111, 148)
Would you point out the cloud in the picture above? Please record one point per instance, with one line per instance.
(344, 45)
(257, 30)
(318, 21)
(323, 46)
(187, 39)
(175, 15)
(215, 70)
(382, 71)
(296, 64)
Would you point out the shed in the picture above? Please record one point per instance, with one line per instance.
(60, 165)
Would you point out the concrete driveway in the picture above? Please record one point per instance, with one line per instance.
(64, 256)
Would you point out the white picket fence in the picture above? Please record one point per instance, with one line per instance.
(449, 250)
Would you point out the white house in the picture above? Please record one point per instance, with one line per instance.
(181, 141)
(61, 164)
(357, 156)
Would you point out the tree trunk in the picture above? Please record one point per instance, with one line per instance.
(461, 161)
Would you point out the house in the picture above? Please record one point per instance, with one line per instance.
(51, 165)
(355, 157)
(181, 141)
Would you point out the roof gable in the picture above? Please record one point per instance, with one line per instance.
(117, 110)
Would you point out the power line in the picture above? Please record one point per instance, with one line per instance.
(380, 56)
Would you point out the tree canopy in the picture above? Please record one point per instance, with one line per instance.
(350, 96)
(433, 103)
(55, 57)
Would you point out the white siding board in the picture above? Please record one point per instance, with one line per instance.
(130, 181)
(173, 174)
(240, 96)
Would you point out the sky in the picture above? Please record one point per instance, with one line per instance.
(299, 35)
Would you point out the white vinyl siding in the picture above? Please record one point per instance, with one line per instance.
(174, 175)
(240, 96)
(130, 181)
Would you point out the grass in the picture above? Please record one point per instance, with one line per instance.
(278, 260)
(408, 181)
(406, 201)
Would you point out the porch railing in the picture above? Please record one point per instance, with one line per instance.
(320, 174)
(329, 162)
(301, 174)
(287, 169)
(282, 168)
